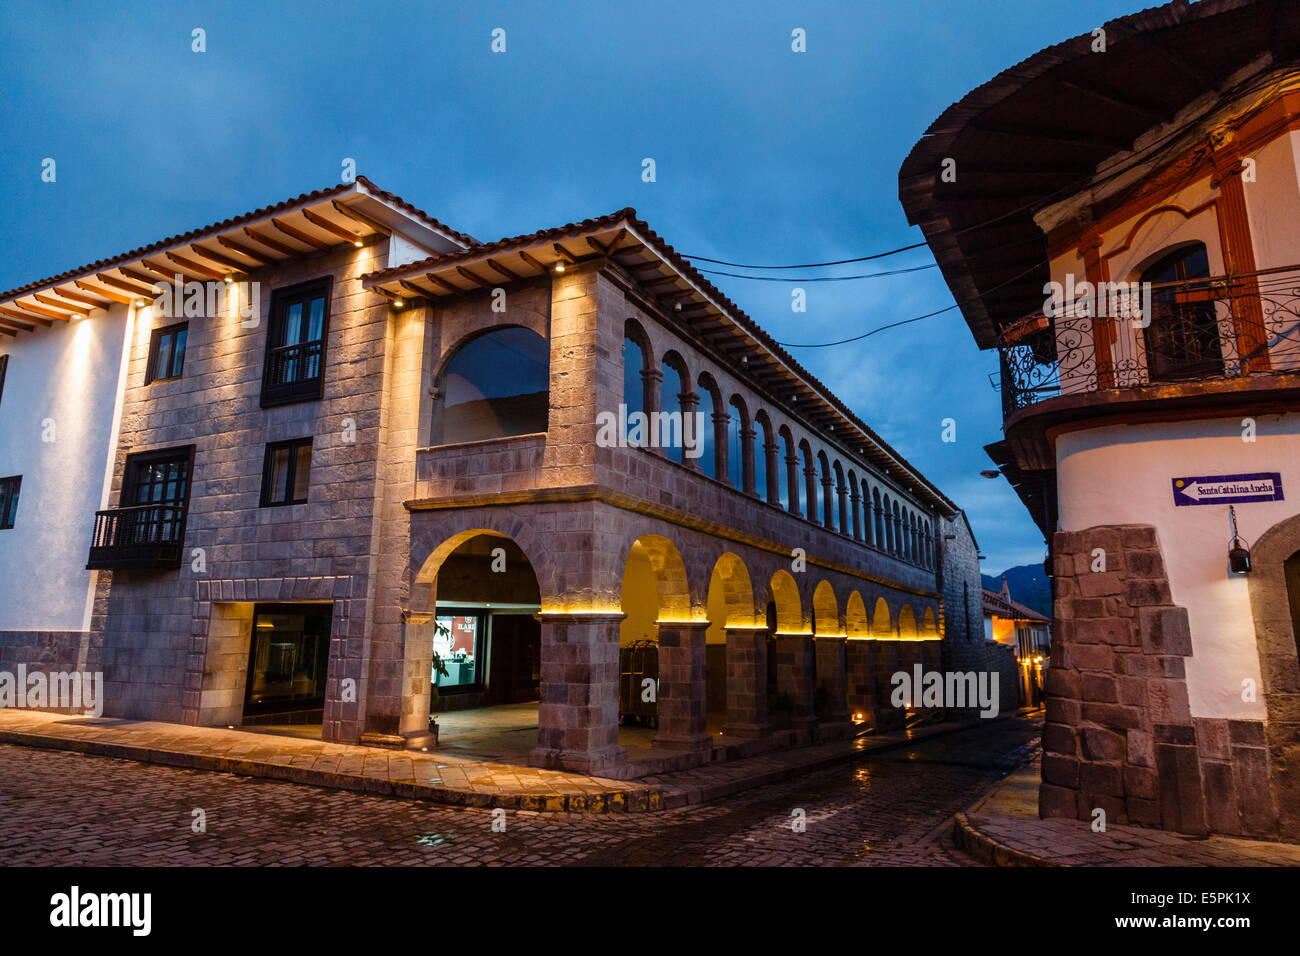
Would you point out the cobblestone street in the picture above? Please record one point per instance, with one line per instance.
(59, 808)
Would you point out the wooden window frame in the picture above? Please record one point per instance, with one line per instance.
(155, 342)
(271, 448)
(8, 521)
(300, 389)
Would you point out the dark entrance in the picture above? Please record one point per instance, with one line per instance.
(287, 663)
(515, 659)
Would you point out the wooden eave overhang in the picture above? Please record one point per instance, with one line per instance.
(350, 213)
(1036, 133)
(655, 275)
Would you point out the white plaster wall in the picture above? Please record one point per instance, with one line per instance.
(65, 377)
(1122, 475)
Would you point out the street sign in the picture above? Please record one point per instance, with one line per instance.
(1228, 489)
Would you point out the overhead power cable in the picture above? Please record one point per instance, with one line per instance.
(867, 275)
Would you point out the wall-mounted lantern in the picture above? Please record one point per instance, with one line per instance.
(1238, 553)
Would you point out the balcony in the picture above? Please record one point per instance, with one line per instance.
(293, 373)
(145, 536)
(1207, 335)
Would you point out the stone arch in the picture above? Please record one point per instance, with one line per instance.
(740, 452)
(882, 622)
(907, 629)
(676, 394)
(713, 457)
(855, 616)
(737, 591)
(789, 606)
(640, 383)
(826, 609)
(633, 330)
(1276, 642)
(671, 583)
(929, 626)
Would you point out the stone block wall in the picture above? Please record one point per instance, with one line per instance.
(1120, 735)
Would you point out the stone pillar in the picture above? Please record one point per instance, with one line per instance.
(887, 661)
(931, 655)
(683, 706)
(652, 379)
(827, 517)
(417, 680)
(747, 459)
(747, 682)
(855, 508)
(773, 478)
(792, 483)
(689, 402)
(832, 678)
(795, 670)
(578, 714)
(859, 665)
(721, 453)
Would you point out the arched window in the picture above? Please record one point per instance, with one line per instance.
(708, 438)
(738, 436)
(855, 507)
(671, 391)
(790, 469)
(1182, 340)
(762, 439)
(476, 401)
(637, 386)
(879, 522)
(840, 505)
(809, 506)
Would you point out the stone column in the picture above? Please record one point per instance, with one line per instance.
(747, 459)
(689, 402)
(792, 483)
(747, 682)
(888, 717)
(417, 680)
(859, 664)
(578, 714)
(683, 706)
(773, 478)
(827, 517)
(721, 453)
(855, 508)
(652, 379)
(832, 675)
(795, 670)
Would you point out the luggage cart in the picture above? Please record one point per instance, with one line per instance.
(637, 662)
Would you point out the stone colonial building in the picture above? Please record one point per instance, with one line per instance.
(353, 467)
(1116, 217)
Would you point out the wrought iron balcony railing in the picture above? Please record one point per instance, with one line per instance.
(293, 373)
(144, 536)
(1194, 331)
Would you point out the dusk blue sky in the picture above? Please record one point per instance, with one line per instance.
(763, 155)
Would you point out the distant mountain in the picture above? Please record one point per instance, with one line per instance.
(1028, 585)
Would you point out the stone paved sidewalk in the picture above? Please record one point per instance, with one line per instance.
(1004, 829)
(437, 776)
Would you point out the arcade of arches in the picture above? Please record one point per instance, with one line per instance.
(683, 649)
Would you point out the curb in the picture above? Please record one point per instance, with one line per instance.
(988, 850)
(660, 796)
